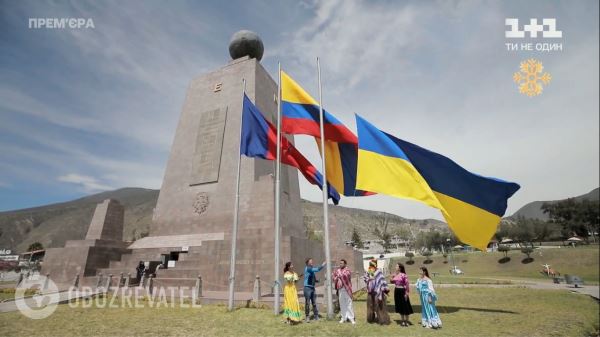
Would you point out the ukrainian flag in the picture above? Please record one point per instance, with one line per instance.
(471, 204)
(300, 115)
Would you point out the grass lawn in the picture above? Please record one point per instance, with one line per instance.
(582, 261)
(464, 312)
(9, 293)
(450, 279)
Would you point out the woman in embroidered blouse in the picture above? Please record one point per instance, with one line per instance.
(291, 306)
(401, 299)
(429, 315)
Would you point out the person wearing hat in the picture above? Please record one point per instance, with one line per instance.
(377, 290)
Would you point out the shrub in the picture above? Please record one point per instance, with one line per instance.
(527, 251)
(410, 256)
(504, 249)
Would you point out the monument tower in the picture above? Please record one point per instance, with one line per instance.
(192, 222)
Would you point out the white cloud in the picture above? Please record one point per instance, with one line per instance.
(89, 184)
(440, 77)
(352, 39)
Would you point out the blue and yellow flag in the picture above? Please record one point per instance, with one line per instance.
(471, 204)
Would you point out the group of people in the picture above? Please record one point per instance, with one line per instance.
(377, 293)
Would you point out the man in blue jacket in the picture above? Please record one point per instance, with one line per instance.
(310, 294)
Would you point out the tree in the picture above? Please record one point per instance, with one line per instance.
(381, 232)
(542, 230)
(427, 255)
(575, 217)
(527, 251)
(356, 239)
(504, 249)
(522, 230)
(35, 246)
(410, 256)
(403, 233)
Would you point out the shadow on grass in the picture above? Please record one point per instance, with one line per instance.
(427, 261)
(410, 262)
(527, 260)
(504, 259)
(443, 309)
(398, 322)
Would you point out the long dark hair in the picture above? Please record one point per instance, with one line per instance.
(425, 271)
(401, 267)
(287, 266)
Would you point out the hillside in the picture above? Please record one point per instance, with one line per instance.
(363, 220)
(54, 224)
(533, 210)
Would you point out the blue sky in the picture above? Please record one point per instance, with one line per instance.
(87, 110)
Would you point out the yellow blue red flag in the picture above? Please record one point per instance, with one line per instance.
(471, 204)
(300, 115)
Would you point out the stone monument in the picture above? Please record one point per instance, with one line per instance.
(103, 243)
(191, 226)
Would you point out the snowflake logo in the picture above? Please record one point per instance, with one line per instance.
(530, 77)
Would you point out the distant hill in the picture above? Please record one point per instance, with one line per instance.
(533, 210)
(363, 220)
(54, 224)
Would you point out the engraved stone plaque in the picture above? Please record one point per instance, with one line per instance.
(209, 145)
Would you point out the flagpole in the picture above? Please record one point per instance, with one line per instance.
(325, 198)
(236, 209)
(277, 194)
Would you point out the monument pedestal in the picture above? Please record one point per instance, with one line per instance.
(102, 244)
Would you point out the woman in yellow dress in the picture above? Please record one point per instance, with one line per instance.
(291, 306)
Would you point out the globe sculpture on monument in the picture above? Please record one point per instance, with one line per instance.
(192, 223)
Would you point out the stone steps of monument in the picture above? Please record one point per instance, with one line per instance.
(131, 260)
(137, 257)
(174, 282)
(116, 271)
(117, 265)
(178, 273)
(187, 264)
(193, 256)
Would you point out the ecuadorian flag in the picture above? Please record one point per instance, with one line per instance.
(300, 115)
(471, 204)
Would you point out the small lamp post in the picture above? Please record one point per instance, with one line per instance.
(453, 270)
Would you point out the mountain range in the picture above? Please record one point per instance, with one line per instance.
(533, 210)
(54, 224)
